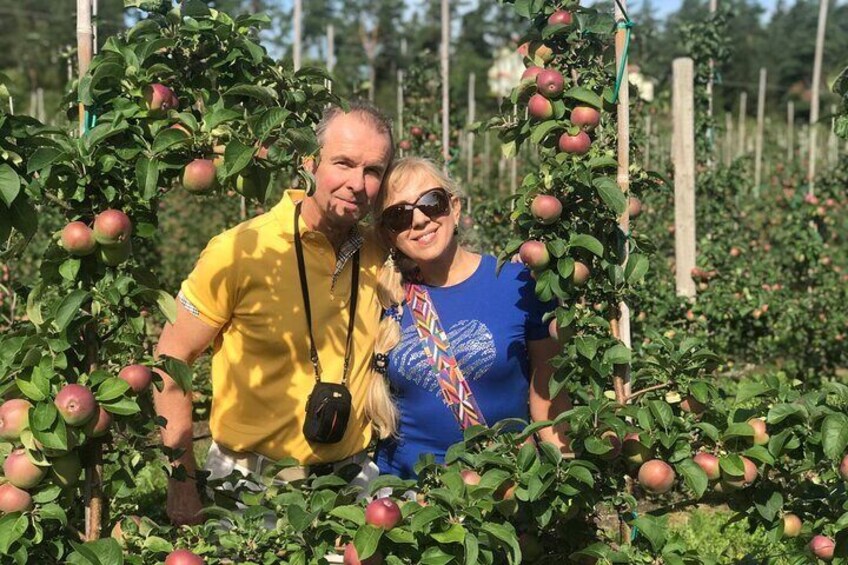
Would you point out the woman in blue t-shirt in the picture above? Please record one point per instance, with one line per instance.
(493, 323)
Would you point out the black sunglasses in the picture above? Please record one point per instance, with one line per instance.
(434, 203)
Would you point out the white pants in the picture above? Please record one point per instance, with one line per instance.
(220, 464)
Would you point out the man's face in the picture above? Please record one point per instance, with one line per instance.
(350, 168)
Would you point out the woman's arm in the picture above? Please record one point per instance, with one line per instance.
(542, 407)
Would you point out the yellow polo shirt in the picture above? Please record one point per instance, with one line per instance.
(246, 283)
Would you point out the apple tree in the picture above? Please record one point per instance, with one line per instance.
(187, 100)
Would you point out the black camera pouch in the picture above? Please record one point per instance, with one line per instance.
(327, 413)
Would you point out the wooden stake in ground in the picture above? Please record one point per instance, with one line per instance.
(445, 63)
(728, 138)
(790, 132)
(832, 141)
(711, 137)
(472, 115)
(814, 101)
(758, 151)
(743, 114)
(401, 132)
(297, 24)
(85, 37)
(647, 151)
(331, 53)
(683, 155)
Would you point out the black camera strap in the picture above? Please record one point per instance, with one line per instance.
(354, 292)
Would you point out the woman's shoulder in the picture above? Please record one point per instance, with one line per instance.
(509, 273)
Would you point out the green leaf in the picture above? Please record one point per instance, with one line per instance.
(167, 305)
(217, 117)
(587, 345)
(508, 149)
(366, 540)
(694, 477)
(270, 119)
(768, 504)
(739, 429)
(661, 410)
(237, 157)
(105, 551)
(506, 534)
(835, 436)
(43, 158)
(10, 184)
(179, 371)
(355, 514)
(618, 354)
(31, 390)
(12, 527)
(587, 242)
(472, 549)
(584, 95)
(263, 94)
(41, 417)
(69, 308)
(611, 194)
(147, 177)
(541, 131)
(123, 407)
(732, 465)
(781, 412)
(455, 534)
(167, 138)
(69, 268)
(110, 389)
(427, 515)
(653, 528)
(603, 162)
(748, 390)
(637, 267)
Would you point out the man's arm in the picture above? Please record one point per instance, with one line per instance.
(185, 340)
(542, 407)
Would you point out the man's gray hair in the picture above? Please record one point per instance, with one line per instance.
(367, 111)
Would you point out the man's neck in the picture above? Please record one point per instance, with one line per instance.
(315, 221)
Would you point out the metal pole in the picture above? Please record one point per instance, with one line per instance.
(790, 132)
(472, 115)
(743, 114)
(85, 36)
(683, 153)
(758, 143)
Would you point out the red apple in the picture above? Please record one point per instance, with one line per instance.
(634, 207)
(199, 176)
(405, 144)
(470, 477)
(112, 227)
(575, 144)
(560, 17)
(709, 463)
(137, 376)
(76, 404)
(541, 53)
(531, 72)
(99, 426)
(761, 437)
(735, 252)
(791, 526)
(78, 239)
(539, 107)
(546, 209)
(843, 468)
(749, 476)
(656, 477)
(550, 83)
(22, 472)
(581, 274)
(534, 254)
(690, 404)
(351, 557)
(634, 450)
(184, 557)
(160, 98)
(586, 117)
(66, 469)
(416, 131)
(13, 499)
(383, 513)
(14, 415)
(822, 547)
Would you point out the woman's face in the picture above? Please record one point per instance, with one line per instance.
(419, 236)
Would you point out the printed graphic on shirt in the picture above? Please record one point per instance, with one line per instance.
(472, 343)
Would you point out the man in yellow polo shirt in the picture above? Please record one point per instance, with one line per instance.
(244, 298)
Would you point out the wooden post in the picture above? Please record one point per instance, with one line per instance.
(331, 48)
(11, 105)
(472, 115)
(401, 131)
(711, 137)
(790, 133)
(758, 151)
(298, 16)
(487, 157)
(743, 113)
(621, 373)
(647, 151)
(445, 62)
(84, 42)
(832, 142)
(683, 154)
(42, 115)
(94, 10)
(814, 102)
(93, 488)
(728, 138)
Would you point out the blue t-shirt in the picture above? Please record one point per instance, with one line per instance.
(488, 318)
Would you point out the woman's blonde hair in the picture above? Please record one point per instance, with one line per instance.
(397, 269)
